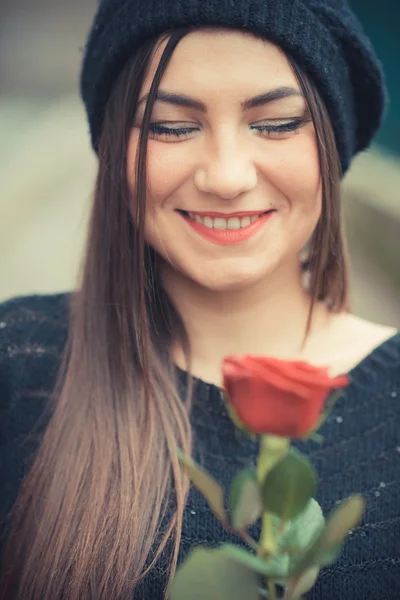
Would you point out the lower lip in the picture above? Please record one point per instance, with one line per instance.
(228, 237)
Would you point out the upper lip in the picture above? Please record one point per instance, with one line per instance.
(246, 213)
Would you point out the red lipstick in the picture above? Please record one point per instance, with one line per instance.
(215, 215)
(227, 237)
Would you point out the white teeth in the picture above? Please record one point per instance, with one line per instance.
(220, 223)
(233, 223)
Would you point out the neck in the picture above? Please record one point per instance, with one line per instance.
(268, 318)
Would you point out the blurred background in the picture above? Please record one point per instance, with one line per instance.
(47, 167)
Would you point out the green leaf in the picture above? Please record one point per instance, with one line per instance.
(326, 547)
(211, 574)
(345, 516)
(301, 532)
(278, 567)
(206, 484)
(245, 498)
(297, 535)
(301, 584)
(289, 485)
(251, 561)
(315, 437)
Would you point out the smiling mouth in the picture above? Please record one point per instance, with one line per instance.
(221, 223)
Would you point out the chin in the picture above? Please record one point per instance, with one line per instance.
(232, 282)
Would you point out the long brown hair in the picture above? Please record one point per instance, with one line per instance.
(106, 492)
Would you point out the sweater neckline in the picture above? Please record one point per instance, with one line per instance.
(389, 349)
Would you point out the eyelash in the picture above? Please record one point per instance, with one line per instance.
(158, 129)
(286, 127)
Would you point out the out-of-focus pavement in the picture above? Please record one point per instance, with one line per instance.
(47, 168)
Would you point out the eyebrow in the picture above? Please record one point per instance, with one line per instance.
(260, 100)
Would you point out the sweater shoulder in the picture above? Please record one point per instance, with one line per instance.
(28, 315)
(381, 368)
(33, 332)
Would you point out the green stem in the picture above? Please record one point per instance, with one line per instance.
(272, 449)
(271, 590)
(281, 531)
(267, 540)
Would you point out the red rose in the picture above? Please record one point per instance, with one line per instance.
(277, 397)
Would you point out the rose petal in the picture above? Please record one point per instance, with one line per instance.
(279, 397)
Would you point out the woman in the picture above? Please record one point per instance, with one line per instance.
(222, 130)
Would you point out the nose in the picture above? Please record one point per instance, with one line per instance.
(226, 171)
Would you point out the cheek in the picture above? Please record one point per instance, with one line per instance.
(294, 170)
(168, 168)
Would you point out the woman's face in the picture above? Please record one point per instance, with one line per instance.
(230, 140)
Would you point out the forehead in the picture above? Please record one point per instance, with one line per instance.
(213, 59)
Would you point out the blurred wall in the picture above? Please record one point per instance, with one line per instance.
(40, 45)
(47, 167)
(382, 22)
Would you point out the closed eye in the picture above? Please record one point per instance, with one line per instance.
(269, 128)
(162, 129)
(272, 128)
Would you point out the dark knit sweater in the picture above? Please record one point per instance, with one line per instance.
(360, 451)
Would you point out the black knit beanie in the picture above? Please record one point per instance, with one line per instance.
(322, 36)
